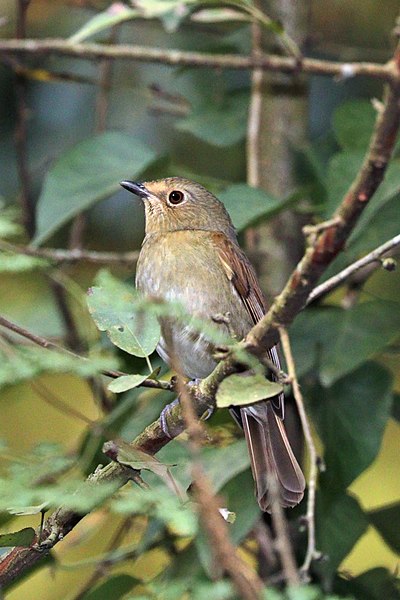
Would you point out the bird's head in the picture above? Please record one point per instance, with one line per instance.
(175, 203)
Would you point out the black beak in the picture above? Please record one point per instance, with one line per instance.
(135, 188)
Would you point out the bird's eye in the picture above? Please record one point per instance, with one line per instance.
(176, 197)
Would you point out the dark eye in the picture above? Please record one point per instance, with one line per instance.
(176, 197)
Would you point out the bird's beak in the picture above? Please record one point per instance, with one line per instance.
(136, 188)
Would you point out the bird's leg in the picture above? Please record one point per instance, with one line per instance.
(166, 411)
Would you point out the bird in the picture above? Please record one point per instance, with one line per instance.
(190, 254)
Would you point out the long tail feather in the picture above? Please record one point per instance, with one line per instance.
(271, 456)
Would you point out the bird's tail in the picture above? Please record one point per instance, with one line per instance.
(271, 456)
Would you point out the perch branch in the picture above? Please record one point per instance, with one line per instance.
(59, 255)
(282, 64)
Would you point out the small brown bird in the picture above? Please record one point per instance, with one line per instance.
(190, 254)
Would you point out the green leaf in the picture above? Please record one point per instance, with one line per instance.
(351, 416)
(115, 587)
(220, 124)
(223, 464)
(170, 12)
(114, 310)
(159, 503)
(219, 15)
(27, 362)
(340, 522)
(353, 124)
(338, 340)
(396, 407)
(375, 584)
(342, 169)
(360, 333)
(240, 499)
(130, 456)
(8, 228)
(126, 382)
(89, 172)
(19, 263)
(23, 537)
(387, 522)
(243, 389)
(104, 20)
(248, 206)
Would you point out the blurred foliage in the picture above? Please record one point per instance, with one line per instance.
(163, 121)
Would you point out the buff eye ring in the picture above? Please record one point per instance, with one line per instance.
(176, 197)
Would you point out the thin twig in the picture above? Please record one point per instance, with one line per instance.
(388, 248)
(254, 115)
(105, 82)
(311, 553)
(246, 581)
(45, 343)
(271, 62)
(59, 256)
(282, 542)
(28, 210)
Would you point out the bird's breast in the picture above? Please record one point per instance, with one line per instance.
(184, 267)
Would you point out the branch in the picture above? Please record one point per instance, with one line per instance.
(388, 248)
(59, 256)
(90, 51)
(311, 553)
(21, 130)
(49, 345)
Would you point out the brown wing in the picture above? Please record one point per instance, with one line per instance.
(267, 442)
(241, 273)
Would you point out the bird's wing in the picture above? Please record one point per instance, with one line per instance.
(241, 274)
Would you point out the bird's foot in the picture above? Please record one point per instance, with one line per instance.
(165, 415)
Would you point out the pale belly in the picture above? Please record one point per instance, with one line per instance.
(197, 281)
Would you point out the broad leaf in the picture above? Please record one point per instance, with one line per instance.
(340, 522)
(353, 124)
(89, 172)
(387, 522)
(114, 310)
(219, 124)
(25, 363)
(24, 537)
(115, 14)
(351, 416)
(116, 587)
(223, 464)
(360, 333)
(248, 206)
(126, 382)
(375, 584)
(338, 340)
(19, 263)
(130, 456)
(243, 389)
